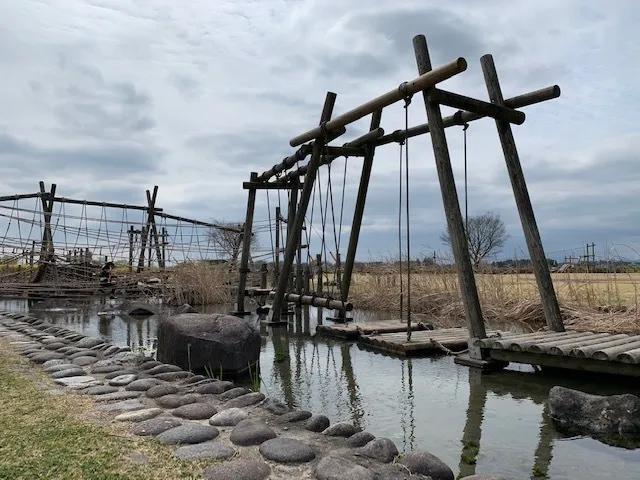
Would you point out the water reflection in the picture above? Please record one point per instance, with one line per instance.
(475, 423)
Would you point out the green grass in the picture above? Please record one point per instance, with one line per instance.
(43, 436)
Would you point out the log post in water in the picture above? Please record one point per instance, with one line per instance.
(455, 223)
(246, 248)
(301, 212)
(525, 209)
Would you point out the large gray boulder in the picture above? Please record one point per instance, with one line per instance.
(612, 419)
(213, 341)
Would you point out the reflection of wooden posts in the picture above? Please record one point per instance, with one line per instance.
(246, 247)
(527, 218)
(473, 426)
(544, 450)
(355, 402)
(131, 248)
(453, 214)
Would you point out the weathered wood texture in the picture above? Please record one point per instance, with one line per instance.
(455, 223)
(525, 209)
(425, 80)
(353, 331)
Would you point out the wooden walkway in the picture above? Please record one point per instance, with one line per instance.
(609, 353)
(353, 331)
(423, 342)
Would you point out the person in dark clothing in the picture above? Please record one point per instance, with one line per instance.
(106, 274)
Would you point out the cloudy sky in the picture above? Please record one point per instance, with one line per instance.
(107, 98)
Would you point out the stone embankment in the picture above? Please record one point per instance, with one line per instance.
(254, 437)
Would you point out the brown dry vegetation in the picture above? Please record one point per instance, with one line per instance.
(598, 302)
(201, 284)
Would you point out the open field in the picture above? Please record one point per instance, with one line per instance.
(602, 302)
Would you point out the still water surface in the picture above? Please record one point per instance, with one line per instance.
(420, 403)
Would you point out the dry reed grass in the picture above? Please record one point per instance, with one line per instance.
(201, 284)
(595, 302)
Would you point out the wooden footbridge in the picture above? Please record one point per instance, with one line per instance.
(486, 350)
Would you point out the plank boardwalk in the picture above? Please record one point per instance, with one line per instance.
(352, 331)
(422, 342)
(597, 352)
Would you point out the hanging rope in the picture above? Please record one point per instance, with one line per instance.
(407, 102)
(466, 205)
(402, 142)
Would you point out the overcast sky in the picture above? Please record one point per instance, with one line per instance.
(107, 98)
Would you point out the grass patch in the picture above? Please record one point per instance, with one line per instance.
(43, 436)
(199, 283)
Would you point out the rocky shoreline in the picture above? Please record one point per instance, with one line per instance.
(254, 437)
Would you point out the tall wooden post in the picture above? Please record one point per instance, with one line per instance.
(525, 209)
(130, 248)
(143, 248)
(276, 272)
(307, 279)
(152, 230)
(47, 209)
(455, 223)
(164, 248)
(33, 251)
(246, 247)
(319, 287)
(264, 272)
(358, 213)
(307, 188)
(291, 214)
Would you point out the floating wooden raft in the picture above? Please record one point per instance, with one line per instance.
(352, 331)
(601, 352)
(422, 342)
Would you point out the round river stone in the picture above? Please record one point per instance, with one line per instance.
(214, 388)
(360, 439)
(286, 450)
(317, 423)
(244, 469)
(229, 417)
(162, 390)
(155, 426)
(382, 449)
(245, 400)
(139, 415)
(175, 400)
(205, 450)
(295, 416)
(188, 433)
(251, 432)
(195, 411)
(100, 390)
(234, 393)
(334, 467)
(164, 368)
(84, 360)
(106, 369)
(143, 384)
(67, 372)
(342, 429)
(122, 380)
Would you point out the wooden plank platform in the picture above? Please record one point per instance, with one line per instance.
(424, 342)
(617, 354)
(353, 331)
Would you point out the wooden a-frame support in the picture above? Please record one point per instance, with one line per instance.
(502, 111)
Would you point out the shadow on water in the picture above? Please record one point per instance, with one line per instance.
(476, 423)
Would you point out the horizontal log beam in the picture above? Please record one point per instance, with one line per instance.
(321, 302)
(361, 141)
(8, 198)
(298, 156)
(344, 151)
(198, 222)
(271, 186)
(427, 80)
(479, 107)
(460, 117)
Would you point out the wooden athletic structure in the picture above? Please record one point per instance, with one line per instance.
(314, 143)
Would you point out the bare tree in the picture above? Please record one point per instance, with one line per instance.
(228, 238)
(486, 235)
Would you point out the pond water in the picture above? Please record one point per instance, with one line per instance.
(475, 423)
